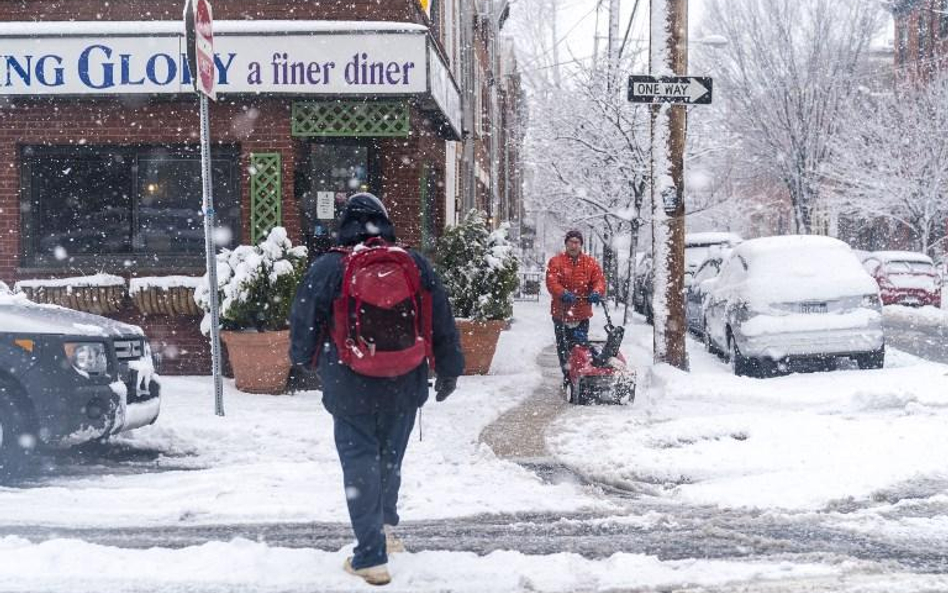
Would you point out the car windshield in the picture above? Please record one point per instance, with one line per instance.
(909, 267)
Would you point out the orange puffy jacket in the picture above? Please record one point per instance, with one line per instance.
(581, 277)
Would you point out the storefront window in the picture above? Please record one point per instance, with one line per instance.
(111, 207)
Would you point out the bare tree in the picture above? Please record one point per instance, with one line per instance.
(890, 161)
(589, 149)
(787, 73)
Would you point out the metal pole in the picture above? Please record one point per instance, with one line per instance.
(211, 251)
(669, 55)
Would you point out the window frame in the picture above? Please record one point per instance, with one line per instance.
(33, 258)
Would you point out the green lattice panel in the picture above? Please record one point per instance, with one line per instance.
(350, 118)
(265, 194)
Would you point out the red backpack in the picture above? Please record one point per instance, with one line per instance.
(382, 320)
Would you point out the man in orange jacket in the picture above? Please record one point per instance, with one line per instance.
(576, 283)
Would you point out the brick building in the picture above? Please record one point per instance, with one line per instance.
(99, 133)
(921, 36)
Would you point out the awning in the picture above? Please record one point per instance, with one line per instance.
(367, 59)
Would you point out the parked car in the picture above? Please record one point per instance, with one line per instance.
(642, 289)
(779, 299)
(698, 247)
(68, 377)
(904, 277)
(695, 290)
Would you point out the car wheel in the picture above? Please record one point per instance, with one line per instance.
(739, 363)
(871, 360)
(15, 441)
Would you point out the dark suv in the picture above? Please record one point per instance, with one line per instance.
(68, 377)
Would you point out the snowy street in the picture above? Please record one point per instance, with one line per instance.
(708, 482)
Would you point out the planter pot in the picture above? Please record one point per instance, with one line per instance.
(261, 360)
(478, 341)
(101, 300)
(172, 300)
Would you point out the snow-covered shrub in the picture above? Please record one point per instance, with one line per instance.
(479, 269)
(256, 284)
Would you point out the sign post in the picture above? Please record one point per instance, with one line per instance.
(200, 46)
(669, 94)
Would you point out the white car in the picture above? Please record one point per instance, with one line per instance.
(701, 246)
(793, 297)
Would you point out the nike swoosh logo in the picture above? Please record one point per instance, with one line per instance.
(383, 275)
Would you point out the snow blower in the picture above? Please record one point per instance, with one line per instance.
(598, 373)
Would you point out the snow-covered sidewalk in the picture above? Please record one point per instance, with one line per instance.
(800, 442)
(272, 458)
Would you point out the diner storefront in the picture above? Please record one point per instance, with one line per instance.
(102, 172)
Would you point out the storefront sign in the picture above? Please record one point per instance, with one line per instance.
(42, 62)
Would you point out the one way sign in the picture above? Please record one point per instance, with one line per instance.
(691, 90)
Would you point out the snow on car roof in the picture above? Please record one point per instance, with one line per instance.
(888, 256)
(711, 238)
(763, 245)
(796, 268)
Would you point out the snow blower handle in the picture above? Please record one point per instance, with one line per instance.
(605, 309)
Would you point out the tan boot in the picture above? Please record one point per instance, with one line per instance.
(393, 545)
(373, 575)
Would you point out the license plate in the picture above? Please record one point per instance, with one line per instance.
(813, 307)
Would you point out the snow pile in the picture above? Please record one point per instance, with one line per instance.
(75, 282)
(143, 283)
(795, 442)
(241, 565)
(917, 316)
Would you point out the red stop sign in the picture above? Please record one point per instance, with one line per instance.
(204, 46)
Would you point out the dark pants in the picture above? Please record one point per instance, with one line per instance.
(564, 340)
(371, 448)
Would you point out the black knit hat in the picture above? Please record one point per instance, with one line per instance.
(362, 217)
(573, 234)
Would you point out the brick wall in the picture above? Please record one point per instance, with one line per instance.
(253, 124)
(402, 161)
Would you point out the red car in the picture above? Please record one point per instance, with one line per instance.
(905, 278)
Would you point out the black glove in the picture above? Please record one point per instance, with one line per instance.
(445, 386)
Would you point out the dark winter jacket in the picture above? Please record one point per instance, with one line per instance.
(345, 392)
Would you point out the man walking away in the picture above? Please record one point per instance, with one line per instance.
(371, 317)
(576, 283)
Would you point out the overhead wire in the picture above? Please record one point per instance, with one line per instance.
(565, 35)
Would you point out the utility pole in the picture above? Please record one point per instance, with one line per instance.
(554, 40)
(613, 47)
(669, 57)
